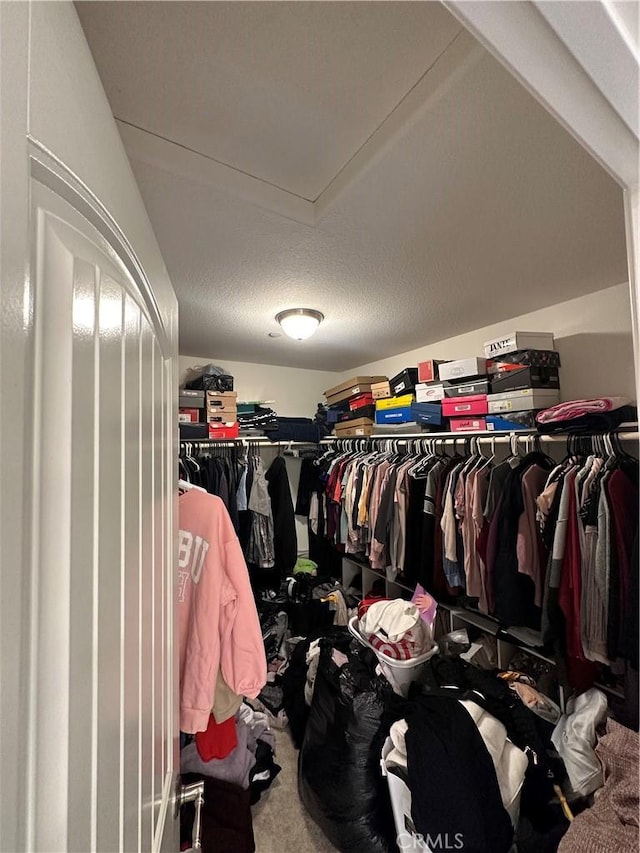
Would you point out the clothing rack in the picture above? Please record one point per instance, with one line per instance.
(288, 448)
(469, 439)
(527, 438)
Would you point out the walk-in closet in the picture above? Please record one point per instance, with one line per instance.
(319, 465)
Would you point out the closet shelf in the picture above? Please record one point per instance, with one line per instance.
(507, 634)
(607, 688)
(487, 624)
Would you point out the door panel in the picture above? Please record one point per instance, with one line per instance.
(82, 537)
(132, 577)
(146, 600)
(159, 659)
(102, 754)
(107, 519)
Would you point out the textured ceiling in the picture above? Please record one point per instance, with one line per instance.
(287, 92)
(478, 208)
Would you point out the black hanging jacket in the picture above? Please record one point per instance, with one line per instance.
(284, 525)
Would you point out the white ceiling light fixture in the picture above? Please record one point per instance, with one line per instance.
(299, 323)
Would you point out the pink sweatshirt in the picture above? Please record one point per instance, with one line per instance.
(218, 625)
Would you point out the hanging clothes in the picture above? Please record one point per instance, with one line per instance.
(588, 512)
(218, 625)
(284, 526)
(260, 543)
(532, 543)
(514, 591)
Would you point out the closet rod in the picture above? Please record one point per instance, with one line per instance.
(483, 437)
(243, 442)
(497, 437)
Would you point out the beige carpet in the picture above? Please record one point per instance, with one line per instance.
(280, 821)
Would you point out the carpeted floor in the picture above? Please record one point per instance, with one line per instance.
(280, 821)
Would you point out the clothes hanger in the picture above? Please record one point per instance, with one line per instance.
(425, 456)
(186, 486)
(534, 454)
(614, 438)
(481, 461)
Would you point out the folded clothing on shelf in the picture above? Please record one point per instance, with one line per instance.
(579, 408)
(262, 418)
(597, 415)
(296, 429)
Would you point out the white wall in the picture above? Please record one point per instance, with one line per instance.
(593, 336)
(296, 392)
(70, 115)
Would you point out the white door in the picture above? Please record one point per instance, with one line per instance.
(87, 483)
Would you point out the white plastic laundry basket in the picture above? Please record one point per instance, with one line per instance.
(399, 673)
(406, 838)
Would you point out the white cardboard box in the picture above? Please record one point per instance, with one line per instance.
(462, 368)
(429, 393)
(522, 401)
(516, 341)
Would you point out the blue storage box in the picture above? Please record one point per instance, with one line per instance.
(495, 423)
(401, 415)
(427, 413)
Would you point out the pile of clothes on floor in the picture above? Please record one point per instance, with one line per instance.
(304, 604)
(610, 825)
(235, 759)
(483, 757)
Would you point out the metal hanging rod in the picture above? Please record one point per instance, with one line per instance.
(243, 442)
(449, 437)
(488, 437)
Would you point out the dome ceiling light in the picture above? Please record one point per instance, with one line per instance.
(299, 323)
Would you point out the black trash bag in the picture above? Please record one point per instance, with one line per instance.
(339, 777)
(295, 678)
(209, 378)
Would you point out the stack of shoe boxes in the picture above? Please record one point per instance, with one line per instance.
(395, 410)
(351, 407)
(191, 420)
(465, 386)
(222, 414)
(502, 390)
(525, 378)
(191, 406)
(429, 395)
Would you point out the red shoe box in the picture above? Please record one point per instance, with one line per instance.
(188, 416)
(428, 370)
(220, 432)
(360, 401)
